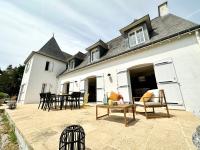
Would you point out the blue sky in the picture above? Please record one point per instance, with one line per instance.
(26, 25)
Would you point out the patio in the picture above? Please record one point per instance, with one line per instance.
(42, 129)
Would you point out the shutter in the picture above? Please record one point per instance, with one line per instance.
(100, 88)
(71, 87)
(165, 72)
(61, 88)
(50, 87)
(167, 79)
(51, 65)
(123, 86)
(82, 86)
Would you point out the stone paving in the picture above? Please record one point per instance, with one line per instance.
(42, 129)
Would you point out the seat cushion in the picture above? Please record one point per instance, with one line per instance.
(138, 103)
(153, 104)
(148, 104)
(146, 97)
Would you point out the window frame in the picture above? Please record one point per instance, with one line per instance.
(71, 67)
(97, 51)
(135, 35)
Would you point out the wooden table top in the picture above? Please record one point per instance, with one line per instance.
(115, 106)
(63, 95)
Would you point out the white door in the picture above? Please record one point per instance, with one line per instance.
(100, 88)
(61, 88)
(71, 87)
(167, 79)
(123, 84)
(82, 86)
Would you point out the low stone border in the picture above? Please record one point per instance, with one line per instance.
(23, 143)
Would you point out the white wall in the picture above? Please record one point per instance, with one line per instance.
(25, 81)
(185, 53)
(37, 76)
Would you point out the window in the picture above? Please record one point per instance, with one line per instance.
(140, 36)
(27, 67)
(44, 86)
(94, 55)
(47, 66)
(71, 65)
(132, 39)
(136, 37)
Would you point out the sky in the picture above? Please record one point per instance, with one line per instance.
(26, 25)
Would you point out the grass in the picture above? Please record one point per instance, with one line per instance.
(7, 129)
(10, 131)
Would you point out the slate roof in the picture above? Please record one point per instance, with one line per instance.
(78, 55)
(99, 43)
(51, 49)
(67, 56)
(162, 28)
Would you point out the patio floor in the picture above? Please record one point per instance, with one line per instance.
(42, 129)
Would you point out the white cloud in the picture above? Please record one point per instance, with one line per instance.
(27, 25)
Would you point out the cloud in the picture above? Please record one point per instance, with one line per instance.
(28, 25)
(193, 13)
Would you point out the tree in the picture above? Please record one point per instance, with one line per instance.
(10, 79)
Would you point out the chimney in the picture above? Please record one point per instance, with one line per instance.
(163, 9)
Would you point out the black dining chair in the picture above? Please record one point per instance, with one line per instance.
(74, 100)
(42, 100)
(48, 101)
(55, 100)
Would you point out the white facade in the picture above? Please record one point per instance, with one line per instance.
(36, 76)
(174, 62)
(182, 56)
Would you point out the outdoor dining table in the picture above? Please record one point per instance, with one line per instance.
(61, 98)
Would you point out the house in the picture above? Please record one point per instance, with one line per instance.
(154, 53)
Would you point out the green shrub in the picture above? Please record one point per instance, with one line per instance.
(3, 95)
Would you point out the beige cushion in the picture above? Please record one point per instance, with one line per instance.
(155, 95)
(138, 103)
(148, 104)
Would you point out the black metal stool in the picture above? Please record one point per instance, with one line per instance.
(72, 138)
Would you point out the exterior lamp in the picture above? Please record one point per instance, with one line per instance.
(76, 83)
(109, 76)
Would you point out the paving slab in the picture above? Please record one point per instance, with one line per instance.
(42, 129)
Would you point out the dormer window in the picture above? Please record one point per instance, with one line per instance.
(136, 37)
(94, 55)
(71, 65)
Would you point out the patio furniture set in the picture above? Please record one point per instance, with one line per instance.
(50, 101)
(151, 99)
